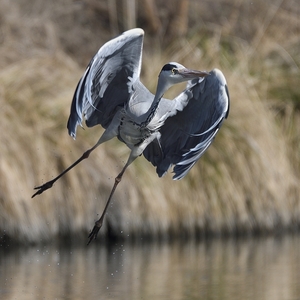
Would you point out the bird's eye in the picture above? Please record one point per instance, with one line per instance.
(174, 71)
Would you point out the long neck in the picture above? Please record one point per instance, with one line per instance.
(161, 88)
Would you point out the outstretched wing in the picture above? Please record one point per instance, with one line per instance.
(108, 81)
(197, 115)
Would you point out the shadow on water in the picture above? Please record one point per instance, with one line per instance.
(254, 268)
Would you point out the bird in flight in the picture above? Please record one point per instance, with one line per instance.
(167, 132)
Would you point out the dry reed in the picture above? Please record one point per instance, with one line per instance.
(246, 182)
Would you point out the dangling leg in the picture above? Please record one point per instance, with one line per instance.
(107, 135)
(98, 223)
(135, 152)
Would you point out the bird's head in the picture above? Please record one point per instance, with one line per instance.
(173, 73)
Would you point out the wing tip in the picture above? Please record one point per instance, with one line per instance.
(135, 32)
(219, 74)
(138, 31)
(72, 126)
(72, 132)
(73, 135)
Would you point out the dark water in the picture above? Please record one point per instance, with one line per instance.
(263, 268)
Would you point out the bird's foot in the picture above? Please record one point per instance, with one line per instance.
(93, 234)
(43, 188)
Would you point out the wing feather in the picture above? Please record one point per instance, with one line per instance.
(191, 125)
(108, 81)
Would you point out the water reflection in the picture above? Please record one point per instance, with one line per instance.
(266, 268)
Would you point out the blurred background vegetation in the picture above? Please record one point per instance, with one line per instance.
(246, 183)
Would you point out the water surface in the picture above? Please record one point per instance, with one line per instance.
(262, 268)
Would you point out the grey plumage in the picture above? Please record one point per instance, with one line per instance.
(189, 132)
(186, 125)
(168, 132)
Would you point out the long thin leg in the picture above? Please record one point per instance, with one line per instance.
(107, 135)
(135, 152)
(40, 189)
(98, 223)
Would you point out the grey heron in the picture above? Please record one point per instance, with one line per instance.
(167, 132)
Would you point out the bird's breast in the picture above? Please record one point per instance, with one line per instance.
(131, 133)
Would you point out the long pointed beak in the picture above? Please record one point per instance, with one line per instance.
(187, 73)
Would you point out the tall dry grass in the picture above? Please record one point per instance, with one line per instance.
(247, 180)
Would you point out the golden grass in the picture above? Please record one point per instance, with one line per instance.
(247, 180)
